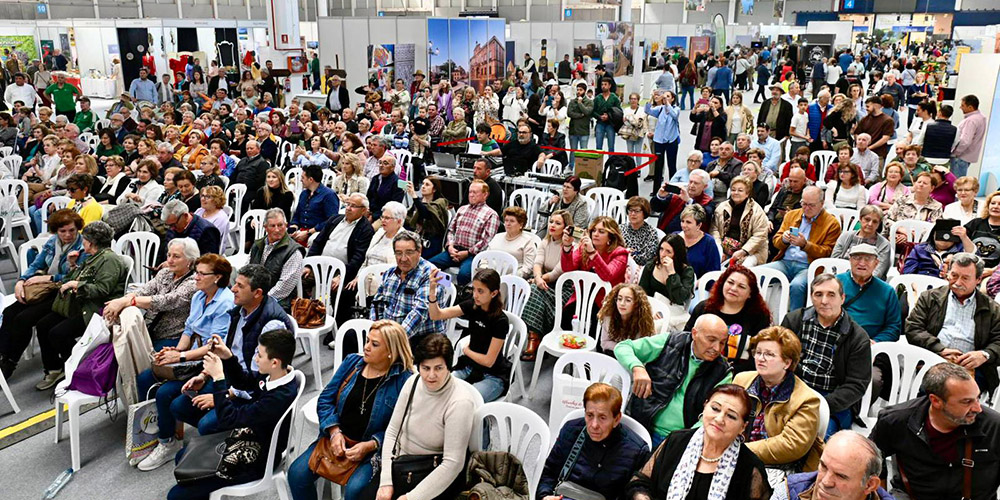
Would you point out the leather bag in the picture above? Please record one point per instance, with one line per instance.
(308, 313)
(325, 462)
(37, 292)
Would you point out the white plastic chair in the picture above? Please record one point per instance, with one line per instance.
(827, 265)
(8, 394)
(22, 262)
(585, 368)
(92, 141)
(143, 248)
(531, 200)
(404, 159)
(293, 177)
(824, 416)
(848, 217)
(12, 163)
(329, 176)
(906, 377)
(235, 194)
(75, 399)
(704, 285)
(822, 160)
(618, 211)
(375, 271)
(520, 431)
(19, 190)
(517, 337)
(324, 269)
(775, 288)
(603, 197)
(587, 286)
(627, 421)
(51, 205)
(256, 219)
(917, 284)
(515, 291)
(501, 262)
(274, 476)
(6, 151)
(103, 123)
(916, 231)
(549, 167)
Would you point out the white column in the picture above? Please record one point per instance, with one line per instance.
(139, 5)
(97, 10)
(732, 13)
(283, 20)
(684, 14)
(247, 3)
(322, 8)
(215, 9)
(625, 11)
(180, 10)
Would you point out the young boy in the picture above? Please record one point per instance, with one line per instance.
(483, 137)
(799, 130)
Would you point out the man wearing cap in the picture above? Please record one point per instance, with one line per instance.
(776, 113)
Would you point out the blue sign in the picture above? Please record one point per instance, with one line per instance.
(848, 4)
(42, 8)
(568, 13)
(862, 29)
(381, 13)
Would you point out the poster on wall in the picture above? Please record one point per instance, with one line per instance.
(779, 9)
(695, 5)
(746, 7)
(438, 60)
(459, 52)
(604, 3)
(589, 51)
(381, 58)
(20, 46)
(677, 42)
(405, 63)
(616, 47)
(488, 55)
(455, 45)
(699, 45)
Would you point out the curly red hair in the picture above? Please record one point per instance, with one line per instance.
(755, 303)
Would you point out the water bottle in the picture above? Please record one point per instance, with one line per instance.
(576, 324)
(58, 484)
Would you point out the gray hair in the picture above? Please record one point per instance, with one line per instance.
(164, 145)
(362, 198)
(702, 174)
(73, 128)
(407, 235)
(99, 233)
(395, 208)
(274, 213)
(825, 277)
(383, 140)
(176, 208)
(265, 126)
(873, 466)
(258, 276)
(742, 135)
(188, 247)
(964, 259)
(695, 152)
(696, 212)
(936, 379)
(872, 210)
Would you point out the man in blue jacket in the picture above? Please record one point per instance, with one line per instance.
(722, 80)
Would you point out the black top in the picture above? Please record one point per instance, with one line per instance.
(700, 485)
(742, 326)
(518, 158)
(353, 421)
(481, 331)
(282, 201)
(987, 240)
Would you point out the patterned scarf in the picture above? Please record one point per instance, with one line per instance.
(684, 475)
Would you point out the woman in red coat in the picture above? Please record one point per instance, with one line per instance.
(602, 251)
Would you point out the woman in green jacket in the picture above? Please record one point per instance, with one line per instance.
(83, 292)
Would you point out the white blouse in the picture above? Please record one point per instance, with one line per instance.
(855, 197)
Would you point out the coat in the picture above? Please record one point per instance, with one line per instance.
(753, 227)
(822, 237)
(605, 466)
(791, 420)
(784, 121)
(496, 475)
(357, 245)
(102, 278)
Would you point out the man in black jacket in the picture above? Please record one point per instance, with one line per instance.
(780, 119)
(337, 97)
(280, 255)
(939, 135)
(346, 237)
(250, 171)
(940, 439)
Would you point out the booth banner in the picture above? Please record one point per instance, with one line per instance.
(699, 45)
(746, 7)
(608, 3)
(466, 51)
(405, 63)
(590, 52)
(381, 59)
(21, 47)
(617, 42)
(438, 61)
(510, 66)
(487, 52)
(698, 5)
(779, 9)
(677, 42)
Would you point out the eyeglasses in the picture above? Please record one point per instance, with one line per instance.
(765, 355)
(635, 210)
(202, 275)
(864, 257)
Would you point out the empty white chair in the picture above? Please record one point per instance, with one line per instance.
(627, 421)
(18, 190)
(909, 364)
(235, 194)
(531, 200)
(916, 231)
(520, 432)
(549, 167)
(329, 176)
(585, 368)
(51, 205)
(501, 262)
(822, 161)
(6, 151)
(11, 163)
(704, 285)
(603, 197)
(324, 270)
(618, 211)
(826, 265)
(775, 288)
(515, 291)
(143, 247)
(255, 219)
(917, 284)
(848, 217)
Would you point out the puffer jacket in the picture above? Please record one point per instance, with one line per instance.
(791, 420)
(496, 475)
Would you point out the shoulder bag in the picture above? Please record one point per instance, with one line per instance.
(308, 313)
(226, 455)
(327, 464)
(569, 490)
(409, 470)
(37, 292)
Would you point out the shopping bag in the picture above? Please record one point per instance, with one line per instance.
(143, 429)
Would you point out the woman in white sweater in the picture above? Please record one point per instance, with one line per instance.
(432, 417)
(846, 191)
(514, 104)
(517, 242)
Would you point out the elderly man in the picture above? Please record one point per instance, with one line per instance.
(280, 255)
(165, 155)
(894, 89)
(469, 233)
(944, 443)
(221, 97)
(742, 147)
(788, 196)
(870, 301)
(337, 96)
(377, 147)
(181, 223)
(403, 294)
(72, 132)
(123, 106)
(849, 470)
(20, 91)
(251, 171)
(959, 322)
(836, 351)
(866, 159)
(215, 132)
(817, 112)
(383, 187)
(86, 119)
(268, 143)
(723, 169)
(519, 156)
(118, 127)
(670, 205)
(672, 374)
(144, 89)
(346, 237)
(776, 113)
(806, 234)
(317, 204)
(770, 146)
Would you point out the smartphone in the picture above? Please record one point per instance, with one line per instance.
(401, 184)
(794, 231)
(444, 279)
(190, 394)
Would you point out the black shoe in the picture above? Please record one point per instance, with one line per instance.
(7, 367)
(647, 178)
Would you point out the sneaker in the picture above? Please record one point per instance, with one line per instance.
(51, 379)
(332, 345)
(163, 453)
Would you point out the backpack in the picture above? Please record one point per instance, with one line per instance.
(97, 372)
(614, 171)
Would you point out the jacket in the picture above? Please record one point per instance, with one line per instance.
(791, 420)
(250, 171)
(343, 97)
(496, 475)
(315, 208)
(797, 484)
(822, 237)
(199, 229)
(42, 261)
(605, 466)
(921, 259)
(329, 406)
(784, 121)
(718, 124)
(925, 321)
(816, 116)
(102, 278)
(357, 244)
(382, 191)
(939, 136)
(753, 227)
(900, 432)
(267, 311)
(276, 260)
(778, 203)
(852, 368)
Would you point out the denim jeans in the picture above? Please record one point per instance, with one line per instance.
(797, 274)
(182, 409)
(959, 167)
(35, 214)
(687, 90)
(302, 480)
(443, 261)
(603, 131)
(490, 387)
(577, 142)
(657, 440)
(635, 147)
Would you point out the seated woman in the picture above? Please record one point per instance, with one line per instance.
(380, 249)
(456, 130)
(640, 237)
(884, 193)
(625, 314)
(274, 193)
(81, 202)
(752, 171)
(670, 277)
(144, 189)
(82, 293)
(354, 411)
(928, 257)
(741, 225)
(601, 251)
(482, 362)
(433, 416)
(913, 163)
(609, 452)
(844, 152)
(350, 180)
(514, 241)
(571, 201)
(702, 249)
(117, 182)
(108, 146)
(189, 194)
(847, 191)
(428, 216)
(315, 155)
(211, 173)
(539, 312)
(786, 411)
(32, 303)
(736, 299)
(944, 192)
(213, 200)
(918, 205)
(191, 154)
(708, 462)
(869, 232)
(966, 207)
(981, 236)
(209, 315)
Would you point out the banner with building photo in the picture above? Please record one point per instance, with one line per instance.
(695, 5)
(590, 52)
(486, 61)
(459, 52)
(381, 59)
(438, 57)
(617, 42)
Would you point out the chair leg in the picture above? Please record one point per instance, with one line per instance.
(59, 420)
(281, 484)
(539, 357)
(10, 397)
(74, 434)
(317, 369)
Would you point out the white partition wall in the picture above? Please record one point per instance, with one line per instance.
(978, 76)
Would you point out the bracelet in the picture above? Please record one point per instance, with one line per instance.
(429, 301)
(133, 301)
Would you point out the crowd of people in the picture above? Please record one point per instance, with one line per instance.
(729, 390)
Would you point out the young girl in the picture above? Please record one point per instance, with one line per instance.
(626, 314)
(482, 363)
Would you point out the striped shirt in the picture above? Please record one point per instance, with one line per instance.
(959, 326)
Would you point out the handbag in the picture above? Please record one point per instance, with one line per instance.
(308, 313)
(37, 292)
(409, 470)
(569, 490)
(226, 455)
(327, 464)
(97, 372)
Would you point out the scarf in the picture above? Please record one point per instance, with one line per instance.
(684, 475)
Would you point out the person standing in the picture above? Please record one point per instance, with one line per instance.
(666, 134)
(604, 105)
(63, 97)
(971, 132)
(579, 112)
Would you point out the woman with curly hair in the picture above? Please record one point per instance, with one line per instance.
(736, 299)
(626, 314)
(839, 122)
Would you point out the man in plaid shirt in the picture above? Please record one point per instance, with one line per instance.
(402, 296)
(470, 232)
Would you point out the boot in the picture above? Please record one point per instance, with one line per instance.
(532, 348)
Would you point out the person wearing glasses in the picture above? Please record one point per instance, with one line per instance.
(78, 188)
(519, 156)
(383, 187)
(403, 295)
(347, 237)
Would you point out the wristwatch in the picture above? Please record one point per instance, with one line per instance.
(183, 358)
(987, 354)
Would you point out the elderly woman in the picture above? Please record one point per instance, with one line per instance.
(213, 200)
(354, 412)
(640, 237)
(428, 216)
(436, 419)
(522, 245)
(209, 315)
(211, 172)
(786, 411)
(456, 130)
(913, 162)
(81, 202)
(702, 250)
(871, 219)
(741, 225)
(117, 181)
(82, 293)
(539, 311)
(966, 207)
(571, 201)
(918, 205)
(609, 452)
(884, 193)
(34, 291)
(350, 179)
(708, 462)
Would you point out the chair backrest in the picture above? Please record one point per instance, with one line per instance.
(517, 337)
(848, 217)
(627, 421)
(991, 183)
(515, 291)
(531, 200)
(130, 265)
(916, 284)
(375, 271)
(520, 432)
(12, 163)
(585, 368)
(234, 198)
(617, 210)
(704, 285)
(329, 176)
(256, 219)
(18, 189)
(143, 248)
(824, 416)
(909, 364)
(826, 265)
(6, 151)
(51, 205)
(587, 286)
(22, 252)
(93, 141)
(775, 288)
(501, 262)
(549, 167)
(272, 452)
(360, 329)
(293, 177)
(916, 231)
(822, 160)
(404, 160)
(325, 269)
(603, 197)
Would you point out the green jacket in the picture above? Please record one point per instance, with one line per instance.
(102, 278)
(85, 120)
(579, 116)
(602, 106)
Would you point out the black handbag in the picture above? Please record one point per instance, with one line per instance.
(409, 470)
(227, 455)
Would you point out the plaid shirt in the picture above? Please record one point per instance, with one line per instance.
(473, 228)
(405, 301)
(958, 329)
(818, 345)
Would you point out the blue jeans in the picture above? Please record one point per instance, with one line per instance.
(182, 409)
(35, 214)
(490, 387)
(797, 274)
(577, 142)
(959, 167)
(635, 147)
(838, 422)
(302, 480)
(687, 90)
(603, 131)
(443, 261)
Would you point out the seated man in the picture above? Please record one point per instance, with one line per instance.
(836, 351)
(469, 233)
(317, 204)
(789, 195)
(959, 322)
(609, 453)
(945, 443)
(806, 234)
(666, 367)
(770, 146)
(280, 255)
(403, 294)
(383, 187)
(346, 237)
(483, 170)
(670, 205)
(520, 155)
(849, 470)
(723, 170)
(181, 223)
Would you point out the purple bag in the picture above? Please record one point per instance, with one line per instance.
(97, 372)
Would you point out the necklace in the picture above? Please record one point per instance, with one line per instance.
(711, 460)
(365, 395)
